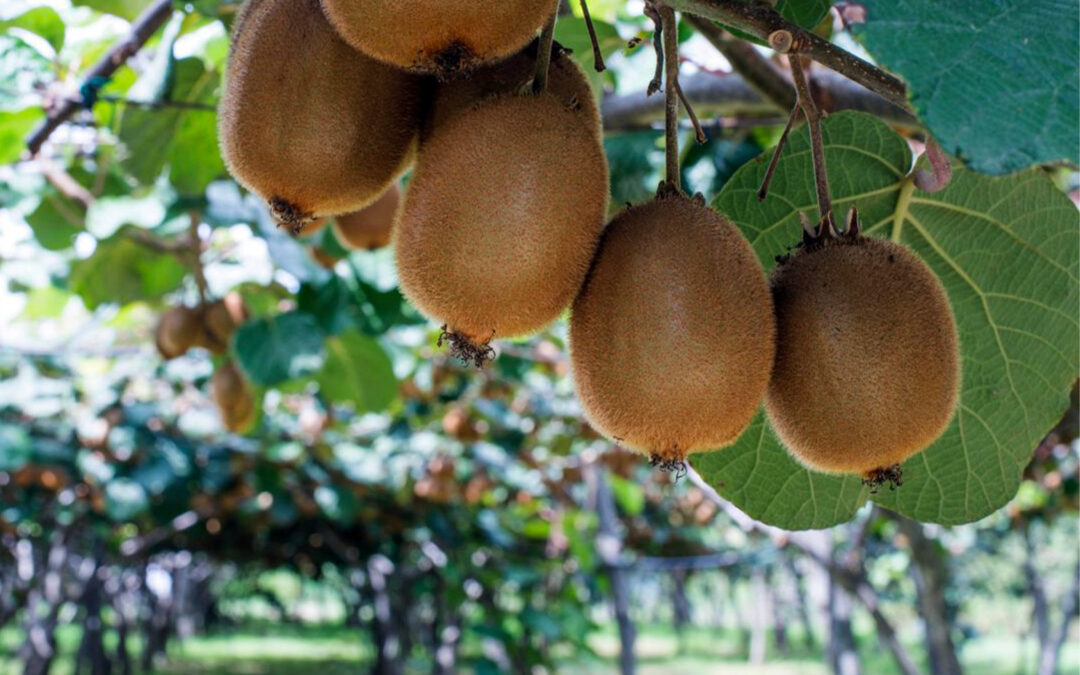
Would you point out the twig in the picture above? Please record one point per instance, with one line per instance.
(120, 100)
(195, 256)
(763, 191)
(543, 55)
(761, 20)
(145, 26)
(656, 83)
(761, 74)
(699, 132)
(670, 30)
(62, 181)
(156, 243)
(817, 146)
(598, 56)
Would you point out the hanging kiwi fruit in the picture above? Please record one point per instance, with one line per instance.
(233, 398)
(320, 131)
(441, 37)
(565, 81)
(178, 329)
(221, 318)
(369, 228)
(867, 365)
(502, 216)
(672, 337)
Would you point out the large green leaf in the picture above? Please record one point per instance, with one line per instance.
(357, 371)
(274, 350)
(1006, 251)
(121, 271)
(995, 80)
(43, 21)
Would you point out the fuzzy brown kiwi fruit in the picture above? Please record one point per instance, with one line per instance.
(440, 37)
(220, 321)
(233, 398)
(867, 365)
(369, 228)
(672, 337)
(566, 82)
(501, 219)
(178, 330)
(317, 131)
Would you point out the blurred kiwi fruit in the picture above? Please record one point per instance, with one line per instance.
(440, 37)
(233, 398)
(220, 320)
(501, 219)
(178, 329)
(867, 364)
(370, 227)
(308, 123)
(673, 335)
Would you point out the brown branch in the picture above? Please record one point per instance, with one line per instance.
(658, 46)
(817, 146)
(761, 74)
(598, 56)
(763, 191)
(145, 26)
(761, 20)
(670, 29)
(63, 181)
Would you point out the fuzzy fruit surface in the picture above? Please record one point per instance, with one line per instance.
(178, 330)
(442, 37)
(370, 227)
(673, 334)
(308, 123)
(867, 366)
(502, 217)
(566, 82)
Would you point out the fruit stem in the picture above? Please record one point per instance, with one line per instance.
(543, 55)
(699, 133)
(817, 145)
(598, 56)
(763, 191)
(196, 256)
(670, 29)
(656, 83)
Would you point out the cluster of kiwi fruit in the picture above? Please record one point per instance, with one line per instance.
(676, 334)
(211, 326)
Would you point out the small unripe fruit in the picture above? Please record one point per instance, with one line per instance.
(501, 219)
(443, 37)
(867, 365)
(672, 337)
(369, 228)
(178, 330)
(308, 123)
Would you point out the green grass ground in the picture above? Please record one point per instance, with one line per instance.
(278, 649)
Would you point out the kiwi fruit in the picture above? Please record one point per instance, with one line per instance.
(673, 335)
(220, 321)
(178, 330)
(369, 228)
(867, 365)
(321, 130)
(566, 82)
(233, 398)
(440, 37)
(502, 217)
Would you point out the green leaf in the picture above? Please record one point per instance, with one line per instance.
(14, 126)
(128, 9)
(629, 496)
(358, 371)
(1006, 251)
(56, 220)
(996, 81)
(274, 350)
(806, 13)
(122, 271)
(43, 21)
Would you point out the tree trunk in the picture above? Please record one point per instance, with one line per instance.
(1050, 641)
(387, 644)
(931, 579)
(776, 610)
(758, 620)
(40, 647)
(843, 655)
(609, 547)
(680, 605)
(92, 648)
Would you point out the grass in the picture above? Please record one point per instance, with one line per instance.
(285, 649)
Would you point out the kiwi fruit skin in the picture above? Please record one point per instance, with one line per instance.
(178, 329)
(867, 366)
(502, 216)
(220, 320)
(566, 82)
(321, 130)
(369, 228)
(233, 398)
(440, 37)
(673, 335)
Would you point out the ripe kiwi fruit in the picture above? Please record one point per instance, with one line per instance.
(440, 37)
(566, 82)
(321, 130)
(233, 398)
(867, 366)
(503, 214)
(178, 330)
(673, 335)
(369, 228)
(220, 321)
